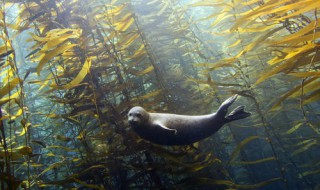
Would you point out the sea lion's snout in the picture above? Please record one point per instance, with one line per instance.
(132, 121)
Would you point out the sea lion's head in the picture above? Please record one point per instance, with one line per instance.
(138, 116)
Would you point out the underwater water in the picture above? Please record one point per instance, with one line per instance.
(72, 70)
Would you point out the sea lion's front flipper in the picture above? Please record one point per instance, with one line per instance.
(174, 131)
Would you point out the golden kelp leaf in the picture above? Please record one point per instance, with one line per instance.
(299, 8)
(304, 142)
(125, 23)
(139, 52)
(211, 4)
(293, 5)
(56, 41)
(45, 57)
(90, 186)
(24, 150)
(250, 2)
(76, 159)
(235, 43)
(51, 167)
(149, 95)
(19, 113)
(227, 62)
(303, 39)
(43, 83)
(60, 32)
(36, 165)
(44, 185)
(305, 147)
(295, 90)
(310, 85)
(200, 165)
(78, 79)
(275, 70)
(295, 53)
(13, 155)
(9, 87)
(36, 38)
(56, 34)
(257, 41)
(306, 74)
(255, 28)
(313, 97)
(312, 172)
(187, 166)
(236, 151)
(256, 13)
(82, 135)
(63, 138)
(5, 50)
(25, 129)
(61, 147)
(296, 36)
(13, 26)
(307, 88)
(254, 162)
(8, 98)
(115, 10)
(258, 185)
(50, 154)
(126, 42)
(222, 16)
(91, 168)
(165, 5)
(153, 2)
(143, 72)
(294, 128)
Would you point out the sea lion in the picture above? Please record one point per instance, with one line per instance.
(173, 129)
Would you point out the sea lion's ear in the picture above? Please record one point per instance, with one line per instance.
(161, 126)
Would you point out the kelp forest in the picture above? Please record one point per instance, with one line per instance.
(72, 69)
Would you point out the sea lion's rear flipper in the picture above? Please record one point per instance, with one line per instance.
(238, 113)
(174, 131)
(223, 109)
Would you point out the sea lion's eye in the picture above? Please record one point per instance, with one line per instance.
(130, 114)
(138, 114)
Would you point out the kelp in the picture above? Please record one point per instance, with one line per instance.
(78, 79)
(267, 42)
(77, 63)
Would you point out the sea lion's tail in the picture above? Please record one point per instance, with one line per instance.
(238, 113)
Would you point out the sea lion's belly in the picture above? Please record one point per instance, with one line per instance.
(189, 128)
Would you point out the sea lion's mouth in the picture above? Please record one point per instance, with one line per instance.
(133, 122)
